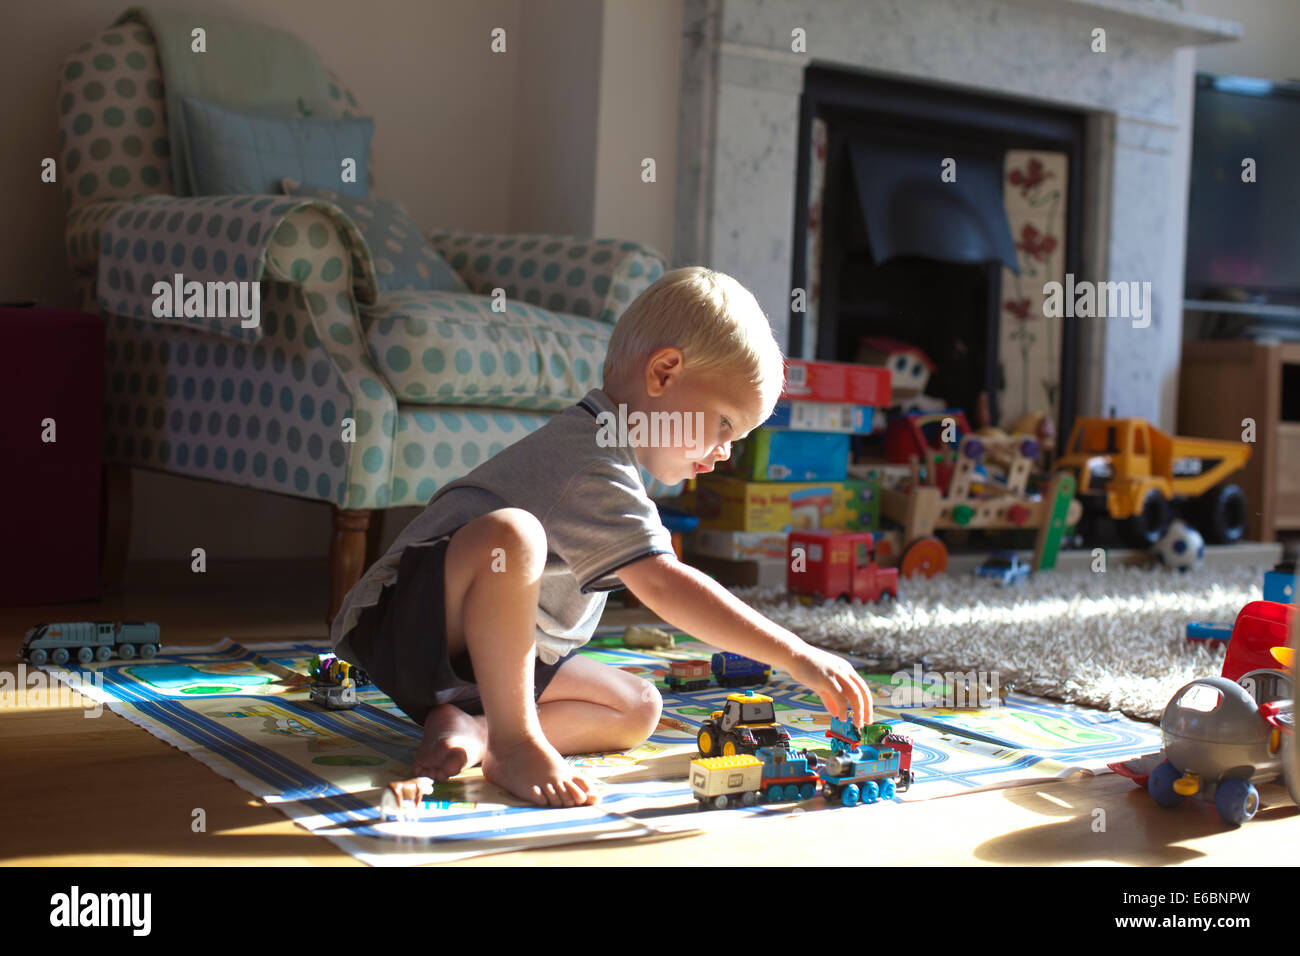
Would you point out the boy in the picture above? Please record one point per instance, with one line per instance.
(471, 619)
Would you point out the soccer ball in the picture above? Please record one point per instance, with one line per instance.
(1180, 548)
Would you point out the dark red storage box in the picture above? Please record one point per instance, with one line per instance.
(51, 367)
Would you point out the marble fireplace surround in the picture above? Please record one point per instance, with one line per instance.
(739, 129)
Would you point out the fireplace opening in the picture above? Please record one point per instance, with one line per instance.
(933, 217)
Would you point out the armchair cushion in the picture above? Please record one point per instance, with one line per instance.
(238, 152)
(448, 348)
(402, 258)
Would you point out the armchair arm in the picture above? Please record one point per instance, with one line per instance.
(82, 233)
(595, 278)
(218, 240)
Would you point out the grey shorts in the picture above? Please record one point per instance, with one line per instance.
(401, 641)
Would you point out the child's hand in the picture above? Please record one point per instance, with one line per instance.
(834, 680)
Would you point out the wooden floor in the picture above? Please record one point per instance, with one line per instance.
(79, 792)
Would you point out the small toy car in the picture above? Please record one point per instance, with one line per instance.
(1004, 568)
(335, 681)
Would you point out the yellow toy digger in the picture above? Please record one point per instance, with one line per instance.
(1132, 472)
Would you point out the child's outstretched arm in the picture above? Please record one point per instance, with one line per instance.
(693, 601)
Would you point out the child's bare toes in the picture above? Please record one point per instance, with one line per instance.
(533, 771)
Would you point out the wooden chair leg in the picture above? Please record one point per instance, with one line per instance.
(115, 523)
(347, 554)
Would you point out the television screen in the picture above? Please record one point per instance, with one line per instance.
(1244, 237)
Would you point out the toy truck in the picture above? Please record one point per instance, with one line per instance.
(718, 782)
(746, 722)
(837, 566)
(89, 641)
(736, 670)
(688, 675)
(1132, 473)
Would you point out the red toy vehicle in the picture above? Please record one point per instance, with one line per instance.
(1260, 627)
(837, 564)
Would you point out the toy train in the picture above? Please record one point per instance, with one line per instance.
(729, 670)
(860, 771)
(89, 641)
(855, 772)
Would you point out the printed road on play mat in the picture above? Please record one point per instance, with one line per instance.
(246, 714)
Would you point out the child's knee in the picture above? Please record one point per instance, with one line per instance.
(505, 540)
(645, 709)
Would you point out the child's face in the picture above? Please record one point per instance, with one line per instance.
(714, 408)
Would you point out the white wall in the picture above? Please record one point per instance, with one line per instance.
(557, 92)
(1270, 43)
(639, 78)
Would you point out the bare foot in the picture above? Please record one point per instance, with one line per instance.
(534, 771)
(453, 740)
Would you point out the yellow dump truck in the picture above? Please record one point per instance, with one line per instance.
(1134, 473)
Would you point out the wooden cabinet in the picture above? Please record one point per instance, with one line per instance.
(1223, 383)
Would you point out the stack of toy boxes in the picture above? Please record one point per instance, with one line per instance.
(791, 472)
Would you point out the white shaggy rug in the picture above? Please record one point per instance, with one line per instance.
(1113, 640)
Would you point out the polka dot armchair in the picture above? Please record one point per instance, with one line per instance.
(428, 383)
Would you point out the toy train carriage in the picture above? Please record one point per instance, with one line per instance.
(688, 675)
(89, 641)
(736, 670)
(719, 782)
(788, 774)
(880, 735)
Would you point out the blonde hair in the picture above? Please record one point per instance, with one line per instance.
(712, 318)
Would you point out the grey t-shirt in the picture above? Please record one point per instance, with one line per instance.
(590, 500)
